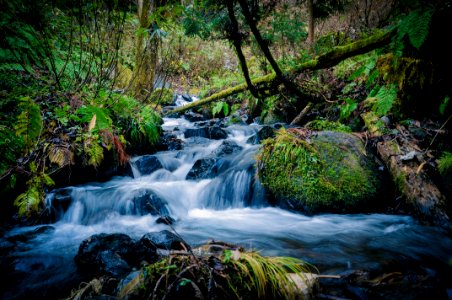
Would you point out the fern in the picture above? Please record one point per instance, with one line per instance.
(94, 151)
(146, 126)
(30, 201)
(29, 121)
(445, 163)
(220, 106)
(386, 97)
(416, 26)
(102, 118)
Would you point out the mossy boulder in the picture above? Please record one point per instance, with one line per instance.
(325, 171)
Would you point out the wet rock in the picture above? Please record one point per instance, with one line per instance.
(170, 142)
(226, 148)
(196, 132)
(29, 235)
(194, 117)
(165, 220)
(105, 254)
(148, 202)
(263, 133)
(214, 133)
(187, 97)
(164, 240)
(147, 164)
(206, 168)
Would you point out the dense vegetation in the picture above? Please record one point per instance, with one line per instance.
(84, 85)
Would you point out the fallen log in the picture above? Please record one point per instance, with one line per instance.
(404, 160)
(327, 60)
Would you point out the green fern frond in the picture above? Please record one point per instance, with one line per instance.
(445, 163)
(103, 119)
(386, 97)
(28, 202)
(94, 151)
(29, 121)
(416, 26)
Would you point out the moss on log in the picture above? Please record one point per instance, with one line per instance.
(403, 159)
(329, 59)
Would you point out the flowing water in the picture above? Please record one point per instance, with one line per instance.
(230, 207)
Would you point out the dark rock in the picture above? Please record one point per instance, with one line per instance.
(205, 168)
(187, 97)
(194, 117)
(29, 235)
(147, 164)
(148, 202)
(170, 142)
(226, 148)
(164, 240)
(263, 133)
(105, 254)
(196, 132)
(165, 220)
(214, 133)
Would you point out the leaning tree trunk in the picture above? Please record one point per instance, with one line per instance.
(329, 59)
(146, 53)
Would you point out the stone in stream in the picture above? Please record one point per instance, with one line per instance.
(325, 172)
(147, 164)
(169, 141)
(148, 202)
(263, 133)
(226, 148)
(206, 168)
(214, 132)
(194, 117)
(165, 240)
(105, 254)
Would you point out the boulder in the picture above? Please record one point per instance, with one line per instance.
(147, 164)
(214, 132)
(226, 148)
(148, 202)
(169, 142)
(105, 254)
(193, 117)
(325, 172)
(263, 133)
(205, 168)
(164, 240)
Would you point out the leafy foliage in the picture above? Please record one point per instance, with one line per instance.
(445, 163)
(220, 106)
(30, 201)
(386, 97)
(29, 121)
(415, 26)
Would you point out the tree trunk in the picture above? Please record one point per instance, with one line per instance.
(310, 6)
(146, 54)
(329, 59)
(236, 40)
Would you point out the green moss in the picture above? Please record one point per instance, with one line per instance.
(320, 175)
(320, 125)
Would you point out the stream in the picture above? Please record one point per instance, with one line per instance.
(231, 206)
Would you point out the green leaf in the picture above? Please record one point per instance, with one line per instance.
(184, 282)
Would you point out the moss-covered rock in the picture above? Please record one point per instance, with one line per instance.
(325, 172)
(319, 125)
(162, 96)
